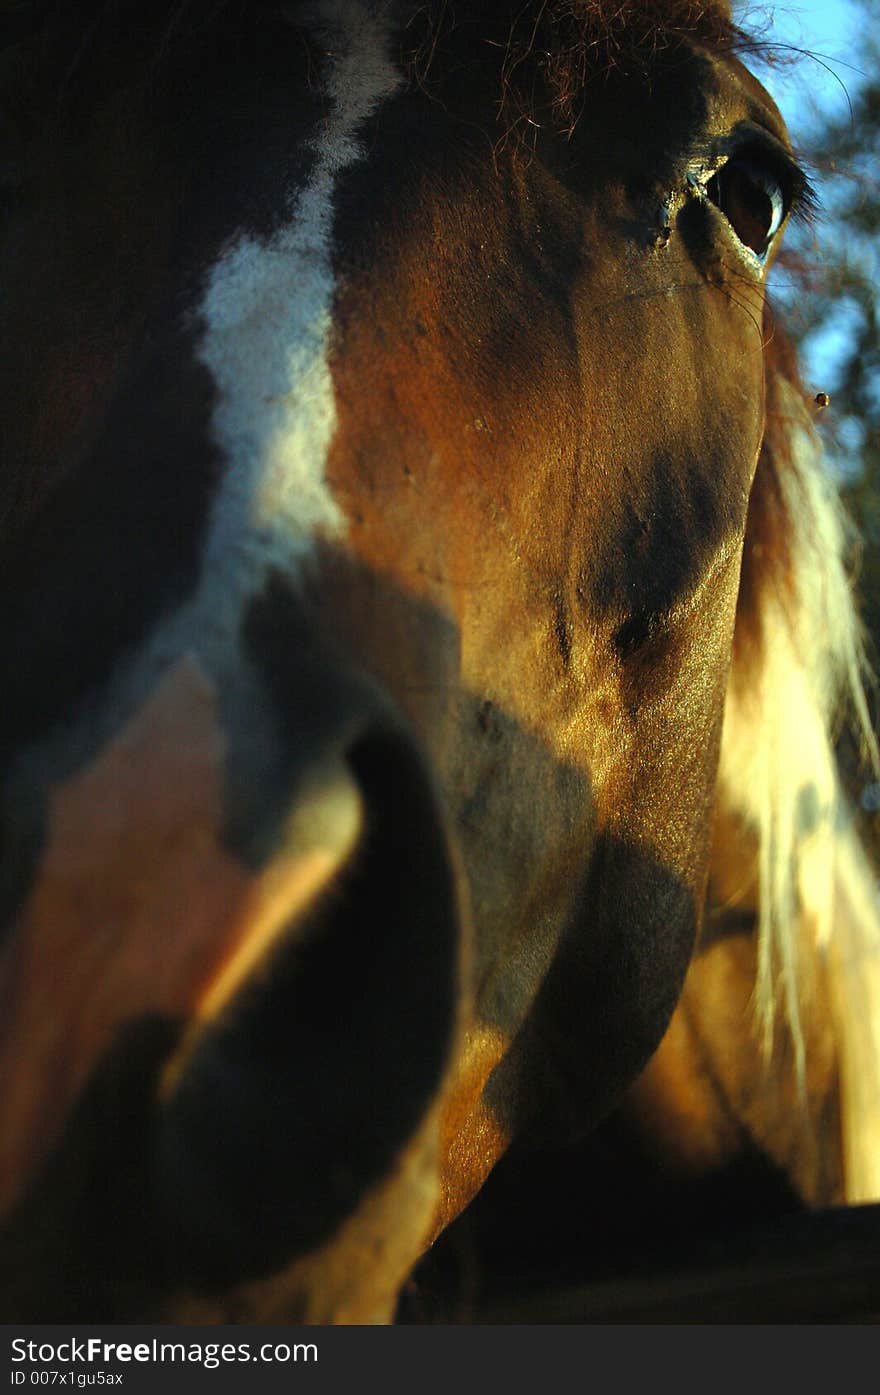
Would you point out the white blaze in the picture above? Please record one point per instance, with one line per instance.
(267, 315)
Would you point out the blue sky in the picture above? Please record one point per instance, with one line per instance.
(832, 32)
(830, 29)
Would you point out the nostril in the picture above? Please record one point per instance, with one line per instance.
(312, 849)
(325, 1060)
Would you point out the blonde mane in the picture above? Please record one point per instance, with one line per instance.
(799, 667)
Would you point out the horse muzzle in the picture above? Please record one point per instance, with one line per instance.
(220, 1033)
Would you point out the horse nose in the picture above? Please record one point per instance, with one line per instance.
(328, 1060)
(313, 974)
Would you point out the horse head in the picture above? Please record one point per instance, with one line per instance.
(388, 393)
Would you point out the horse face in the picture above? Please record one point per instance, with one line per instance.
(370, 568)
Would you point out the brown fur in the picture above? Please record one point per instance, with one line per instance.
(540, 581)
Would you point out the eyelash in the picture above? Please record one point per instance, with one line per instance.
(755, 187)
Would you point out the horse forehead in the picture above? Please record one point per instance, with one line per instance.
(265, 330)
(268, 309)
(734, 94)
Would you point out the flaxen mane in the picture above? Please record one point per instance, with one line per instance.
(799, 671)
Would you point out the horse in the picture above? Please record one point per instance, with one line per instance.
(425, 617)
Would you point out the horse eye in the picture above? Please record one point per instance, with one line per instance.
(752, 200)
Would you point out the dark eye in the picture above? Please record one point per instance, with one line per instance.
(752, 199)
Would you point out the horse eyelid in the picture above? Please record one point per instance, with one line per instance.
(766, 164)
(763, 150)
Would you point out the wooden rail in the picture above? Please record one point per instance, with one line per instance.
(822, 1267)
